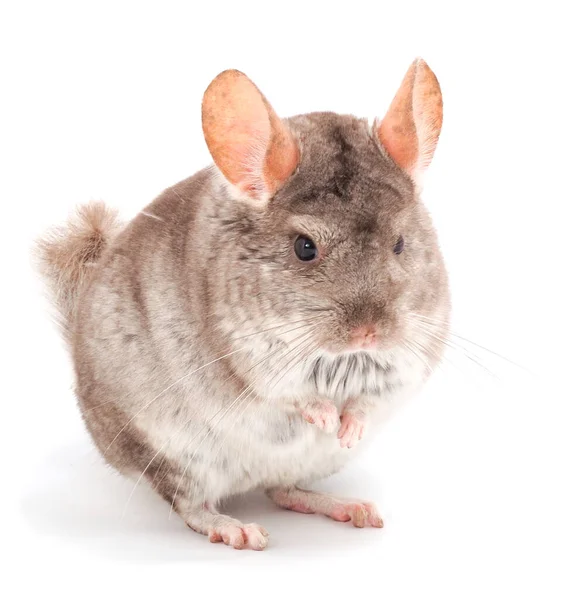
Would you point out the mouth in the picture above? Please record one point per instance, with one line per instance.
(341, 348)
(367, 342)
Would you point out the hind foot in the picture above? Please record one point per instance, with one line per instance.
(239, 536)
(362, 514)
(222, 528)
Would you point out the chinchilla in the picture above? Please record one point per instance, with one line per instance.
(257, 320)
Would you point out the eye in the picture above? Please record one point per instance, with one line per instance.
(305, 248)
(399, 246)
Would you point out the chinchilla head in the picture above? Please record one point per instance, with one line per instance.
(321, 220)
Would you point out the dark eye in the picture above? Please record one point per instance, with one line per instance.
(399, 246)
(305, 248)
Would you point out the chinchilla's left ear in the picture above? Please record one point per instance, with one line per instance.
(410, 129)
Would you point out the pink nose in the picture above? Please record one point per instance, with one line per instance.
(364, 336)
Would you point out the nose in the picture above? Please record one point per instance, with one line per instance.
(365, 336)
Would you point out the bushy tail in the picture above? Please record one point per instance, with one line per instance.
(67, 254)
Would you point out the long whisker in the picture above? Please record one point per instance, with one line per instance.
(427, 330)
(308, 322)
(167, 389)
(442, 358)
(444, 323)
(511, 362)
(304, 321)
(285, 373)
(417, 355)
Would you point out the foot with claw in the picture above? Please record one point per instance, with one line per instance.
(362, 514)
(240, 536)
(222, 528)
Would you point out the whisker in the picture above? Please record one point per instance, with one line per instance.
(512, 362)
(233, 375)
(462, 338)
(167, 389)
(313, 344)
(426, 353)
(305, 324)
(444, 359)
(417, 355)
(454, 346)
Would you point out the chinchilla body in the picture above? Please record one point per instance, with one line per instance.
(202, 331)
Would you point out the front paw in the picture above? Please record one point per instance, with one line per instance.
(322, 413)
(351, 430)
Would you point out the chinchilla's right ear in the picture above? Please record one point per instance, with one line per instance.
(410, 129)
(249, 143)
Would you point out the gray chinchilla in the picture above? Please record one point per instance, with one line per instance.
(252, 324)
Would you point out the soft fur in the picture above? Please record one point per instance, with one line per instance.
(202, 345)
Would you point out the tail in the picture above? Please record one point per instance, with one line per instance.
(67, 254)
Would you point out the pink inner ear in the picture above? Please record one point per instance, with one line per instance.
(248, 142)
(400, 141)
(397, 131)
(282, 156)
(410, 129)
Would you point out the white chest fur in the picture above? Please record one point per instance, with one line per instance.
(274, 447)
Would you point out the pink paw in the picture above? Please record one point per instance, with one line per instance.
(323, 414)
(361, 514)
(351, 430)
(246, 536)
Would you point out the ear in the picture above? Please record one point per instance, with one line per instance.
(250, 145)
(410, 129)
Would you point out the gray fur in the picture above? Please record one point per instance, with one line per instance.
(205, 276)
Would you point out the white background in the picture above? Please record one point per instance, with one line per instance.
(102, 100)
